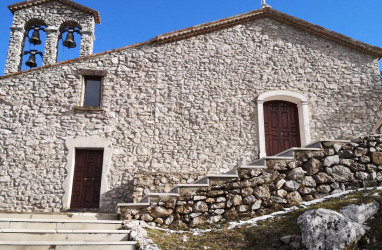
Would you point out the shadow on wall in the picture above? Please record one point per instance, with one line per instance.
(120, 194)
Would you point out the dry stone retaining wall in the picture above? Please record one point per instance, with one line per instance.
(311, 175)
(185, 106)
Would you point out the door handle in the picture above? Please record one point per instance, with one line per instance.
(85, 179)
(93, 179)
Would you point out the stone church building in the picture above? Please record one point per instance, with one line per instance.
(85, 133)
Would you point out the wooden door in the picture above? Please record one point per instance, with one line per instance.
(87, 179)
(282, 129)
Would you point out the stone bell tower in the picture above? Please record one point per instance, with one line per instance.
(55, 17)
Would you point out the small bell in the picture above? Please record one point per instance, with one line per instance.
(35, 39)
(69, 40)
(31, 63)
(32, 58)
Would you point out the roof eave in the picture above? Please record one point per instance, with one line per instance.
(26, 4)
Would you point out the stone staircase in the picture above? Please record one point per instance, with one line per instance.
(63, 231)
(212, 181)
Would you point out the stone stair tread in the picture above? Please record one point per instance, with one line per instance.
(192, 185)
(263, 159)
(37, 231)
(290, 152)
(319, 141)
(68, 215)
(66, 243)
(278, 157)
(220, 176)
(137, 204)
(161, 194)
(253, 167)
(333, 140)
(60, 221)
(215, 176)
(300, 149)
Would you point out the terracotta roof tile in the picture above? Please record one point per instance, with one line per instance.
(30, 3)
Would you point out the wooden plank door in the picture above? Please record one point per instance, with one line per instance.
(87, 179)
(282, 129)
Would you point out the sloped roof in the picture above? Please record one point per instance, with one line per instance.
(30, 3)
(276, 15)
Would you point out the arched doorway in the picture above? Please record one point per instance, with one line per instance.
(281, 126)
(298, 101)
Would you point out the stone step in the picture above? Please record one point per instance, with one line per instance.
(57, 224)
(291, 152)
(206, 179)
(203, 182)
(67, 245)
(262, 162)
(177, 188)
(145, 202)
(253, 167)
(326, 143)
(137, 205)
(63, 235)
(61, 216)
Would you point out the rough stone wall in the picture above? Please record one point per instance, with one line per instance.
(53, 15)
(147, 182)
(186, 106)
(312, 174)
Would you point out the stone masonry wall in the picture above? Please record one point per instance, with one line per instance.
(188, 106)
(311, 175)
(148, 182)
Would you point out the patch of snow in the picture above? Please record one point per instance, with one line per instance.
(261, 218)
(185, 238)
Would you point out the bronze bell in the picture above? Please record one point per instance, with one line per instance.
(31, 63)
(69, 40)
(32, 58)
(35, 39)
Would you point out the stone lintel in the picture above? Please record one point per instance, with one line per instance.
(92, 72)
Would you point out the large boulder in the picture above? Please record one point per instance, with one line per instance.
(262, 192)
(294, 198)
(291, 186)
(256, 205)
(327, 229)
(237, 200)
(296, 174)
(159, 212)
(201, 206)
(342, 174)
(312, 166)
(360, 213)
(377, 158)
(308, 181)
(198, 221)
(331, 160)
(246, 191)
(322, 178)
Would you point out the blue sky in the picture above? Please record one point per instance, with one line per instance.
(126, 22)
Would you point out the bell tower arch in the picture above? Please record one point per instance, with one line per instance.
(56, 16)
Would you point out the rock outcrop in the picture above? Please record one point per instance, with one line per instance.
(328, 229)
